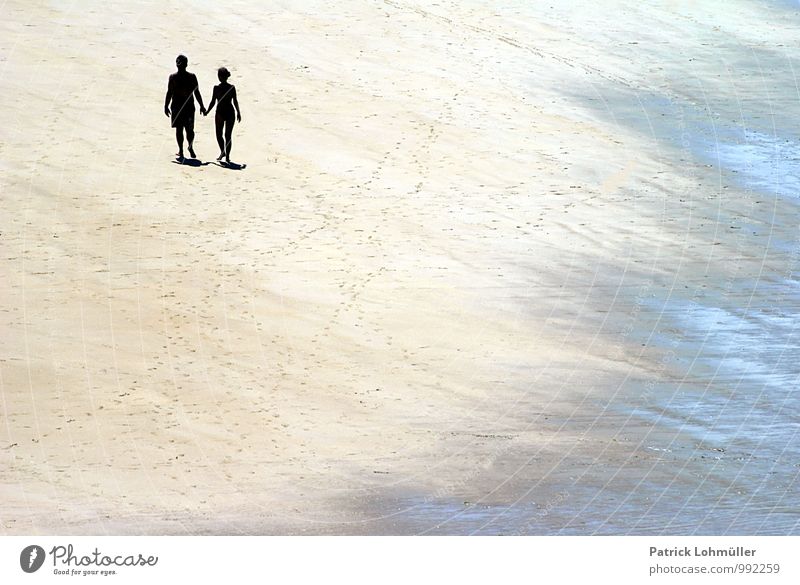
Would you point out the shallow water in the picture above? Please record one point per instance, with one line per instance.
(717, 433)
(732, 351)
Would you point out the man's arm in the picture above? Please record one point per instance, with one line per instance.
(197, 95)
(168, 97)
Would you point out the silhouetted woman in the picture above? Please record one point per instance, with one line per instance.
(225, 95)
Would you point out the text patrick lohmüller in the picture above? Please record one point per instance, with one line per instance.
(685, 551)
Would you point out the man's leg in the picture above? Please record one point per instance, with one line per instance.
(179, 138)
(190, 136)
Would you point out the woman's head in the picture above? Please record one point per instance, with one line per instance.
(181, 61)
(223, 74)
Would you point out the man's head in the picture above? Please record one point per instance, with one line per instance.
(181, 62)
(223, 74)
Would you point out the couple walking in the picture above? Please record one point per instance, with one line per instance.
(181, 91)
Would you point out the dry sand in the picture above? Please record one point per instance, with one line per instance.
(422, 287)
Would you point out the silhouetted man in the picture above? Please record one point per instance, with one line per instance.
(181, 90)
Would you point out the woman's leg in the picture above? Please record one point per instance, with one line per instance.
(228, 135)
(219, 121)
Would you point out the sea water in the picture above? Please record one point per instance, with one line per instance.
(720, 424)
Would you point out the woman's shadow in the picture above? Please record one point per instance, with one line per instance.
(194, 162)
(231, 165)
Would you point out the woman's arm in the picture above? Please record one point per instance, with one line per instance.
(236, 105)
(213, 101)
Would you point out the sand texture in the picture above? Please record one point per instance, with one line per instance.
(450, 292)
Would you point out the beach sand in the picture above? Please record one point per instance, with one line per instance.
(430, 302)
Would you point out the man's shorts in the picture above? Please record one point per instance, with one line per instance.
(183, 118)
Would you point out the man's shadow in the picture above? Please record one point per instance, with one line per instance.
(190, 162)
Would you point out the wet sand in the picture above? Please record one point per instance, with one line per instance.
(489, 269)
